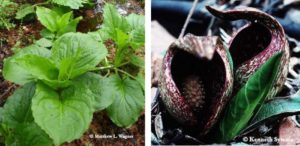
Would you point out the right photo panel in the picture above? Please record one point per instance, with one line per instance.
(225, 72)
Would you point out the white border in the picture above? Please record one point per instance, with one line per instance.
(148, 73)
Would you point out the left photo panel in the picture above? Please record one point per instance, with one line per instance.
(72, 72)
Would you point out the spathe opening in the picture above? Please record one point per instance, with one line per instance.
(211, 72)
(249, 42)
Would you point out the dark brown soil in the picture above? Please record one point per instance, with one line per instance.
(23, 34)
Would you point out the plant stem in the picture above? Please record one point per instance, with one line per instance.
(125, 63)
(188, 19)
(103, 68)
(126, 73)
(116, 69)
(44, 3)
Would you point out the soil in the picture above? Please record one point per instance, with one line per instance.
(25, 34)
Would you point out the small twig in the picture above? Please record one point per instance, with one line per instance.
(188, 19)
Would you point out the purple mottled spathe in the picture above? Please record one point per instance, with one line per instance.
(173, 98)
(261, 26)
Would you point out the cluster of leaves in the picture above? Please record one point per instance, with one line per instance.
(10, 10)
(7, 11)
(27, 9)
(62, 82)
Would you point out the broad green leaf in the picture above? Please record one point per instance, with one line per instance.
(61, 10)
(44, 43)
(74, 4)
(275, 108)
(113, 20)
(48, 18)
(76, 53)
(17, 116)
(100, 87)
(137, 61)
(25, 10)
(6, 135)
(137, 38)
(30, 134)
(38, 67)
(45, 33)
(15, 73)
(64, 116)
(34, 50)
(136, 21)
(64, 19)
(17, 108)
(18, 74)
(121, 40)
(56, 22)
(128, 103)
(137, 35)
(141, 79)
(69, 27)
(100, 35)
(249, 98)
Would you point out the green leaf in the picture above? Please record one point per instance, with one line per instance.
(76, 53)
(17, 108)
(250, 97)
(100, 35)
(48, 18)
(56, 22)
(74, 4)
(137, 61)
(45, 33)
(100, 87)
(61, 10)
(275, 108)
(38, 67)
(25, 10)
(30, 134)
(70, 27)
(17, 115)
(67, 24)
(34, 50)
(141, 79)
(113, 20)
(64, 116)
(64, 19)
(137, 38)
(137, 35)
(13, 72)
(136, 21)
(129, 101)
(44, 43)
(121, 40)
